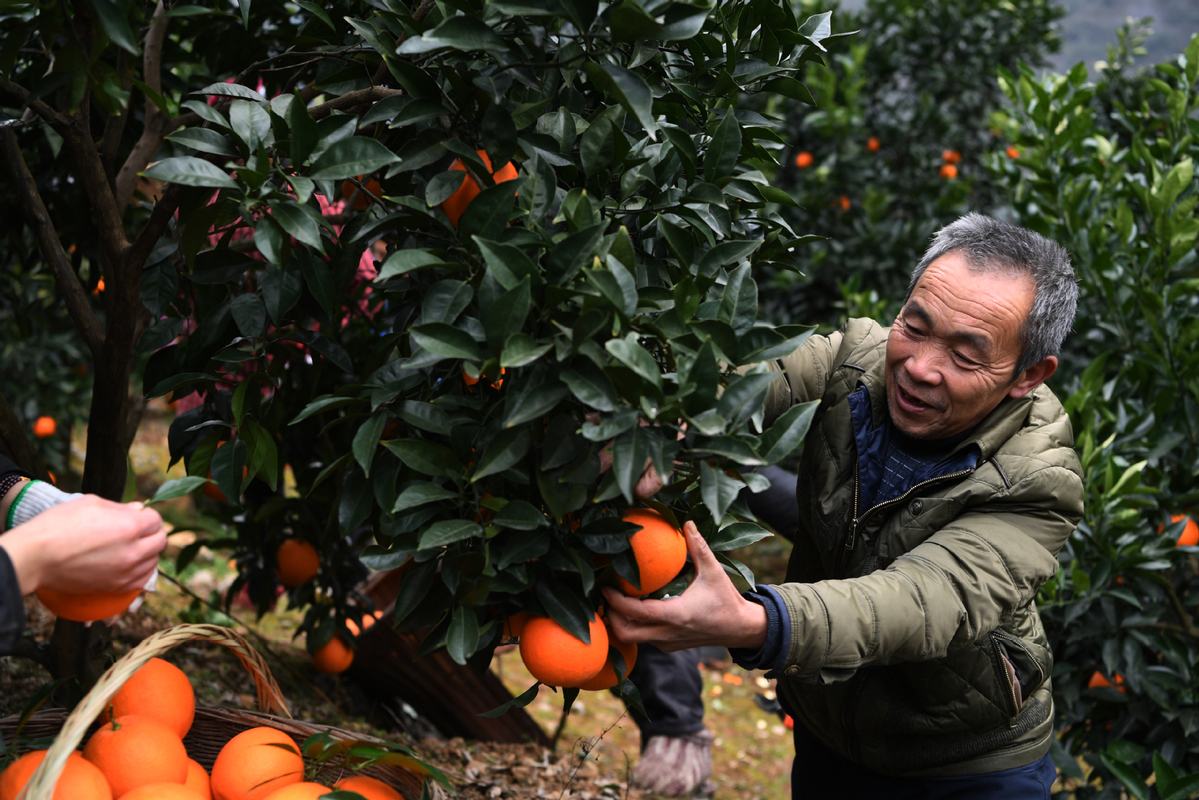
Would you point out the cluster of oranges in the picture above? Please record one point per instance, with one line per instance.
(949, 167)
(138, 754)
(556, 658)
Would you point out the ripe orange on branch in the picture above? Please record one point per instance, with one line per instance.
(333, 657)
(556, 658)
(296, 562)
(1190, 532)
(803, 159)
(44, 427)
(455, 205)
(606, 678)
(659, 548)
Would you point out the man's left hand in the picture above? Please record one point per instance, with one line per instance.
(710, 611)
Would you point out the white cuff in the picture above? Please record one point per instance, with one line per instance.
(39, 496)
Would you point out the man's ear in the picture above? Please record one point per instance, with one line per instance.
(1033, 377)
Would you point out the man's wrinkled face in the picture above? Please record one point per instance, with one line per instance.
(952, 352)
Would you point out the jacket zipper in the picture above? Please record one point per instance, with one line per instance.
(859, 521)
(1002, 668)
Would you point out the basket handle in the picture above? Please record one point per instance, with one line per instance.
(270, 699)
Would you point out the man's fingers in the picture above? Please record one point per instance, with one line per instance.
(701, 554)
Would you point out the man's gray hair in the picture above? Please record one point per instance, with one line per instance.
(989, 245)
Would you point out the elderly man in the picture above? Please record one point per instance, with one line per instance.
(938, 483)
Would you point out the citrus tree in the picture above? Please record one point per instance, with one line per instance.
(469, 386)
(897, 145)
(1107, 169)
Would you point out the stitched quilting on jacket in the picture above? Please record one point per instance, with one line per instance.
(930, 657)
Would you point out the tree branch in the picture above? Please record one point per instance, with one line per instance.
(20, 180)
(24, 98)
(351, 99)
(106, 217)
(160, 218)
(156, 122)
(418, 16)
(17, 444)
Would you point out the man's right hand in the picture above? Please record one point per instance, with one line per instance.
(86, 545)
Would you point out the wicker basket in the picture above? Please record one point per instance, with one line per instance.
(213, 726)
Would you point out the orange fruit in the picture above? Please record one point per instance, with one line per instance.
(455, 205)
(1190, 532)
(660, 550)
(804, 159)
(252, 764)
(299, 791)
(159, 690)
(86, 607)
(844, 202)
(873, 144)
(99, 286)
(556, 658)
(1099, 681)
(949, 171)
(44, 427)
(163, 791)
(296, 562)
(469, 381)
(368, 787)
(333, 657)
(371, 191)
(198, 780)
(1013, 152)
(135, 750)
(606, 677)
(80, 779)
(951, 156)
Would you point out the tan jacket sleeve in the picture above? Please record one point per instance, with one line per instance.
(804, 375)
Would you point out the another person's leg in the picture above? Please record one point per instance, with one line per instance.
(676, 750)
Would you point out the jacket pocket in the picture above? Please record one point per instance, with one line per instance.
(1022, 667)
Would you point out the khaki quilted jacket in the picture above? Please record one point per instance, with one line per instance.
(915, 645)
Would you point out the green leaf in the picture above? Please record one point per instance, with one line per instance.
(630, 353)
(787, 432)
(724, 254)
(445, 300)
(325, 403)
(1187, 786)
(732, 448)
(506, 450)
(521, 349)
(417, 494)
(487, 215)
(771, 343)
(790, 87)
(463, 636)
(205, 141)
(281, 290)
(326, 347)
(566, 607)
(443, 186)
(521, 516)
(425, 416)
(718, 490)
(250, 315)
(507, 314)
(528, 696)
(446, 341)
(299, 223)
(743, 394)
(457, 33)
(1124, 751)
(349, 158)
(114, 20)
(739, 303)
(591, 386)
(367, 439)
(403, 261)
(723, 150)
(448, 531)
(1128, 776)
(507, 264)
(532, 402)
(190, 171)
(630, 451)
(426, 457)
(737, 535)
(177, 488)
(629, 89)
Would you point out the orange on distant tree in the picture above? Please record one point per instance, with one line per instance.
(803, 159)
(299, 791)
(949, 172)
(1099, 681)
(371, 192)
(659, 548)
(255, 763)
(467, 380)
(198, 780)
(556, 658)
(80, 779)
(163, 791)
(845, 204)
(873, 144)
(455, 205)
(159, 690)
(333, 657)
(368, 787)
(99, 286)
(296, 562)
(1013, 151)
(44, 427)
(606, 677)
(1190, 532)
(135, 750)
(86, 607)
(951, 156)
